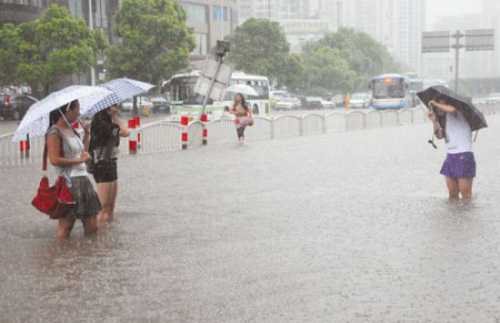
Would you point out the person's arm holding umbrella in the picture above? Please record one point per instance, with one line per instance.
(443, 107)
(438, 130)
(124, 131)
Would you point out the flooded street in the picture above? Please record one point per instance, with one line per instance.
(345, 227)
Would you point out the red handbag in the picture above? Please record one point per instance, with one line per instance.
(55, 201)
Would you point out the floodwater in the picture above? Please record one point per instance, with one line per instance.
(346, 227)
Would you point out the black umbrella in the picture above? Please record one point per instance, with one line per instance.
(474, 117)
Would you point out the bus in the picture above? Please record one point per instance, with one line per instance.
(184, 101)
(259, 104)
(389, 91)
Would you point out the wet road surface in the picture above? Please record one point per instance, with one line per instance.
(346, 227)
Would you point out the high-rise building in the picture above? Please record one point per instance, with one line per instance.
(397, 24)
(302, 20)
(211, 20)
(12, 11)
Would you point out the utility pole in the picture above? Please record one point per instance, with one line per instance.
(475, 40)
(91, 27)
(457, 47)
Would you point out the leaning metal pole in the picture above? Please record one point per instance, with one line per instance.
(220, 61)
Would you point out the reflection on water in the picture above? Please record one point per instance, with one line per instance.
(353, 226)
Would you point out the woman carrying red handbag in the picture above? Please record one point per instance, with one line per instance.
(70, 164)
(243, 116)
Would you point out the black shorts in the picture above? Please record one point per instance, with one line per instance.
(106, 171)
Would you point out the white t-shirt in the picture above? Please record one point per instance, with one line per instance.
(458, 133)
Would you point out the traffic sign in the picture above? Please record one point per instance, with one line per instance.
(436, 42)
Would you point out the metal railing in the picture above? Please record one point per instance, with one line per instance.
(165, 136)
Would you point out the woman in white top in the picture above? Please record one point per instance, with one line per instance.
(459, 167)
(67, 153)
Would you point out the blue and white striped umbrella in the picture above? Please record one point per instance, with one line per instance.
(36, 120)
(123, 89)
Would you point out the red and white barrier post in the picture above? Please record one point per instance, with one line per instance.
(138, 126)
(185, 133)
(132, 140)
(24, 147)
(204, 121)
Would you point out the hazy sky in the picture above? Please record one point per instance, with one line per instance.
(438, 8)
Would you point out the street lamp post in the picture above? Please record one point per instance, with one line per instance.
(221, 50)
(91, 27)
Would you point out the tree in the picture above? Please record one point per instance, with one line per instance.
(155, 40)
(54, 46)
(259, 46)
(353, 54)
(293, 76)
(10, 40)
(327, 71)
(365, 55)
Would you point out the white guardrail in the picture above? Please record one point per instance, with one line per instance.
(165, 136)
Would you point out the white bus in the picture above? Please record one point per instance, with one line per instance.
(259, 104)
(183, 99)
(389, 91)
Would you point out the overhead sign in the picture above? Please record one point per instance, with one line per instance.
(224, 74)
(203, 86)
(222, 78)
(436, 42)
(480, 40)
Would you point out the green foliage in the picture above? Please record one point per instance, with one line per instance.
(10, 40)
(293, 76)
(155, 40)
(259, 46)
(54, 46)
(326, 69)
(365, 56)
(340, 62)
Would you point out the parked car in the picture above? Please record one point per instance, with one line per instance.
(360, 101)
(327, 104)
(288, 103)
(21, 104)
(312, 102)
(5, 106)
(160, 104)
(144, 105)
(15, 107)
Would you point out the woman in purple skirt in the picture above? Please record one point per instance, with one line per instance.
(459, 168)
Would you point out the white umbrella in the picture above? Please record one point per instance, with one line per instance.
(243, 89)
(123, 89)
(36, 121)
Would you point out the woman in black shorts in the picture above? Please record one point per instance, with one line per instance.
(106, 130)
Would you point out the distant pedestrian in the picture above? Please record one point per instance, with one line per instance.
(459, 167)
(67, 153)
(106, 130)
(243, 116)
(347, 102)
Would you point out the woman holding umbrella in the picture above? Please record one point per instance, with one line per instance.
(459, 168)
(67, 153)
(243, 116)
(106, 130)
